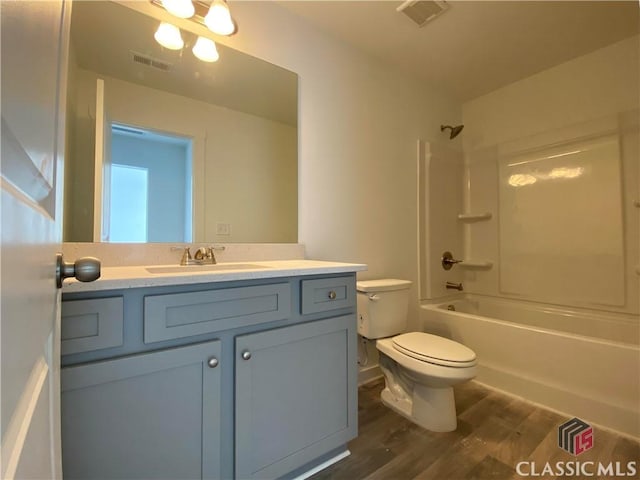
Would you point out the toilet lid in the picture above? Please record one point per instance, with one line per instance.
(383, 285)
(434, 349)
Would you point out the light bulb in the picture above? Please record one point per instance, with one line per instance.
(218, 19)
(205, 50)
(169, 36)
(179, 8)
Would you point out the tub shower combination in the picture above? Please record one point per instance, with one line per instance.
(581, 362)
(540, 233)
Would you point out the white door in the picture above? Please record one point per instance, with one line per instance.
(34, 62)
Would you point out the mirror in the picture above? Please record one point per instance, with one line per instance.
(168, 148)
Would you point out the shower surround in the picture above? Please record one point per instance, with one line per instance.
(545, 216)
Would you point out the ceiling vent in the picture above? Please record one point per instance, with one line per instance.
(149, 61)
(423, 11)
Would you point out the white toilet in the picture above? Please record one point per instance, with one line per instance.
(420, 369)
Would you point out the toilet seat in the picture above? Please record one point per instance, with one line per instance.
(433, 349)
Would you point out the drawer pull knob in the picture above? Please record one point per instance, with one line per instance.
(246, 355)
(332, 295)
(212, 362)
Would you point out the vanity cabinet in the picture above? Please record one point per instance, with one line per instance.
(292, 396)
(239, 379)
(154, 415)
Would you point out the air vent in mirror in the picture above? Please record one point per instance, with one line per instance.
(150, 61)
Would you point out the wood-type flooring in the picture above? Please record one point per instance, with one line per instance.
(495, 433)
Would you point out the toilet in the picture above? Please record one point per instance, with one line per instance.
(419, 369)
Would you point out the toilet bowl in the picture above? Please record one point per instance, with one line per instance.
(420, 386)
(420, 369)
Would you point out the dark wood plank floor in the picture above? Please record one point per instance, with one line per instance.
(495, 432)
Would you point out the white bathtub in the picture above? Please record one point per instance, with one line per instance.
(580, 362)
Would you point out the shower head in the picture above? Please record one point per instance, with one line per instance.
(455, 131)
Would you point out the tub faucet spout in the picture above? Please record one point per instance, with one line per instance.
(454, 286)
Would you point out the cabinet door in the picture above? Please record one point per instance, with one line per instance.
(296, 395)
(154, 415)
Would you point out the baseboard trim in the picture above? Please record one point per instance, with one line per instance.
(323, 465)
(369, 374)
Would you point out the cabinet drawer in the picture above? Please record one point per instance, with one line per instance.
(185, 314)
(327, 294)
(91, 324)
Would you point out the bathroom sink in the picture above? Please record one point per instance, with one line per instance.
(220, 267)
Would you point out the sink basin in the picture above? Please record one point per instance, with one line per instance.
(220, 267)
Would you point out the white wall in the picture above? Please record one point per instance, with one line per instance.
(359, 124)
(441, 170)
(589, 97)
(235, 155)
(69, 142)
(592, 86)
(79, 159)
(359, 121)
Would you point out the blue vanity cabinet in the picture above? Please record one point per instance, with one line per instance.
(294, 399)
(222, 380)
(154, 415)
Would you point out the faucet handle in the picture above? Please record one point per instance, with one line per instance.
(201, 254)
(205, 255)
(186, 256)
(211, 255)
(448, 261)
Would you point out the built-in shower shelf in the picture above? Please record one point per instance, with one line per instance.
(474, 217)
(476, 264)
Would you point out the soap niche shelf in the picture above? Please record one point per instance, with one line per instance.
(474, 217)
(476, 264)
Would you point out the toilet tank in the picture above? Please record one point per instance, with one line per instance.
(382, 307)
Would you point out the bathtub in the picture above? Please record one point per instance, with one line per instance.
(582, 363)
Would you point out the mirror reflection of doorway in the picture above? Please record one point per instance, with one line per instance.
(150, 186)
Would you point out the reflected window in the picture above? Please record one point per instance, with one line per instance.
(128, 205)
(162, 208)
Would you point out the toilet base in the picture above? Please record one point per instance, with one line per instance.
(431, 408)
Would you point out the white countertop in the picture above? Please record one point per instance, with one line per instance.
(136, 276)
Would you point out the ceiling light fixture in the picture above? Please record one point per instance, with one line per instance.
(205, 49)
(215, 15)
(179, 8)
(219, 20)
(169, 36)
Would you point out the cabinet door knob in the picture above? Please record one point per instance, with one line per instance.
(332, 295)
(212, 362)
(246, 355)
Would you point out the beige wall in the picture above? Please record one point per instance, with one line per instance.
(595, 96)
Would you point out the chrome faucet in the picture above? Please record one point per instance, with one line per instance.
(454, 286)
